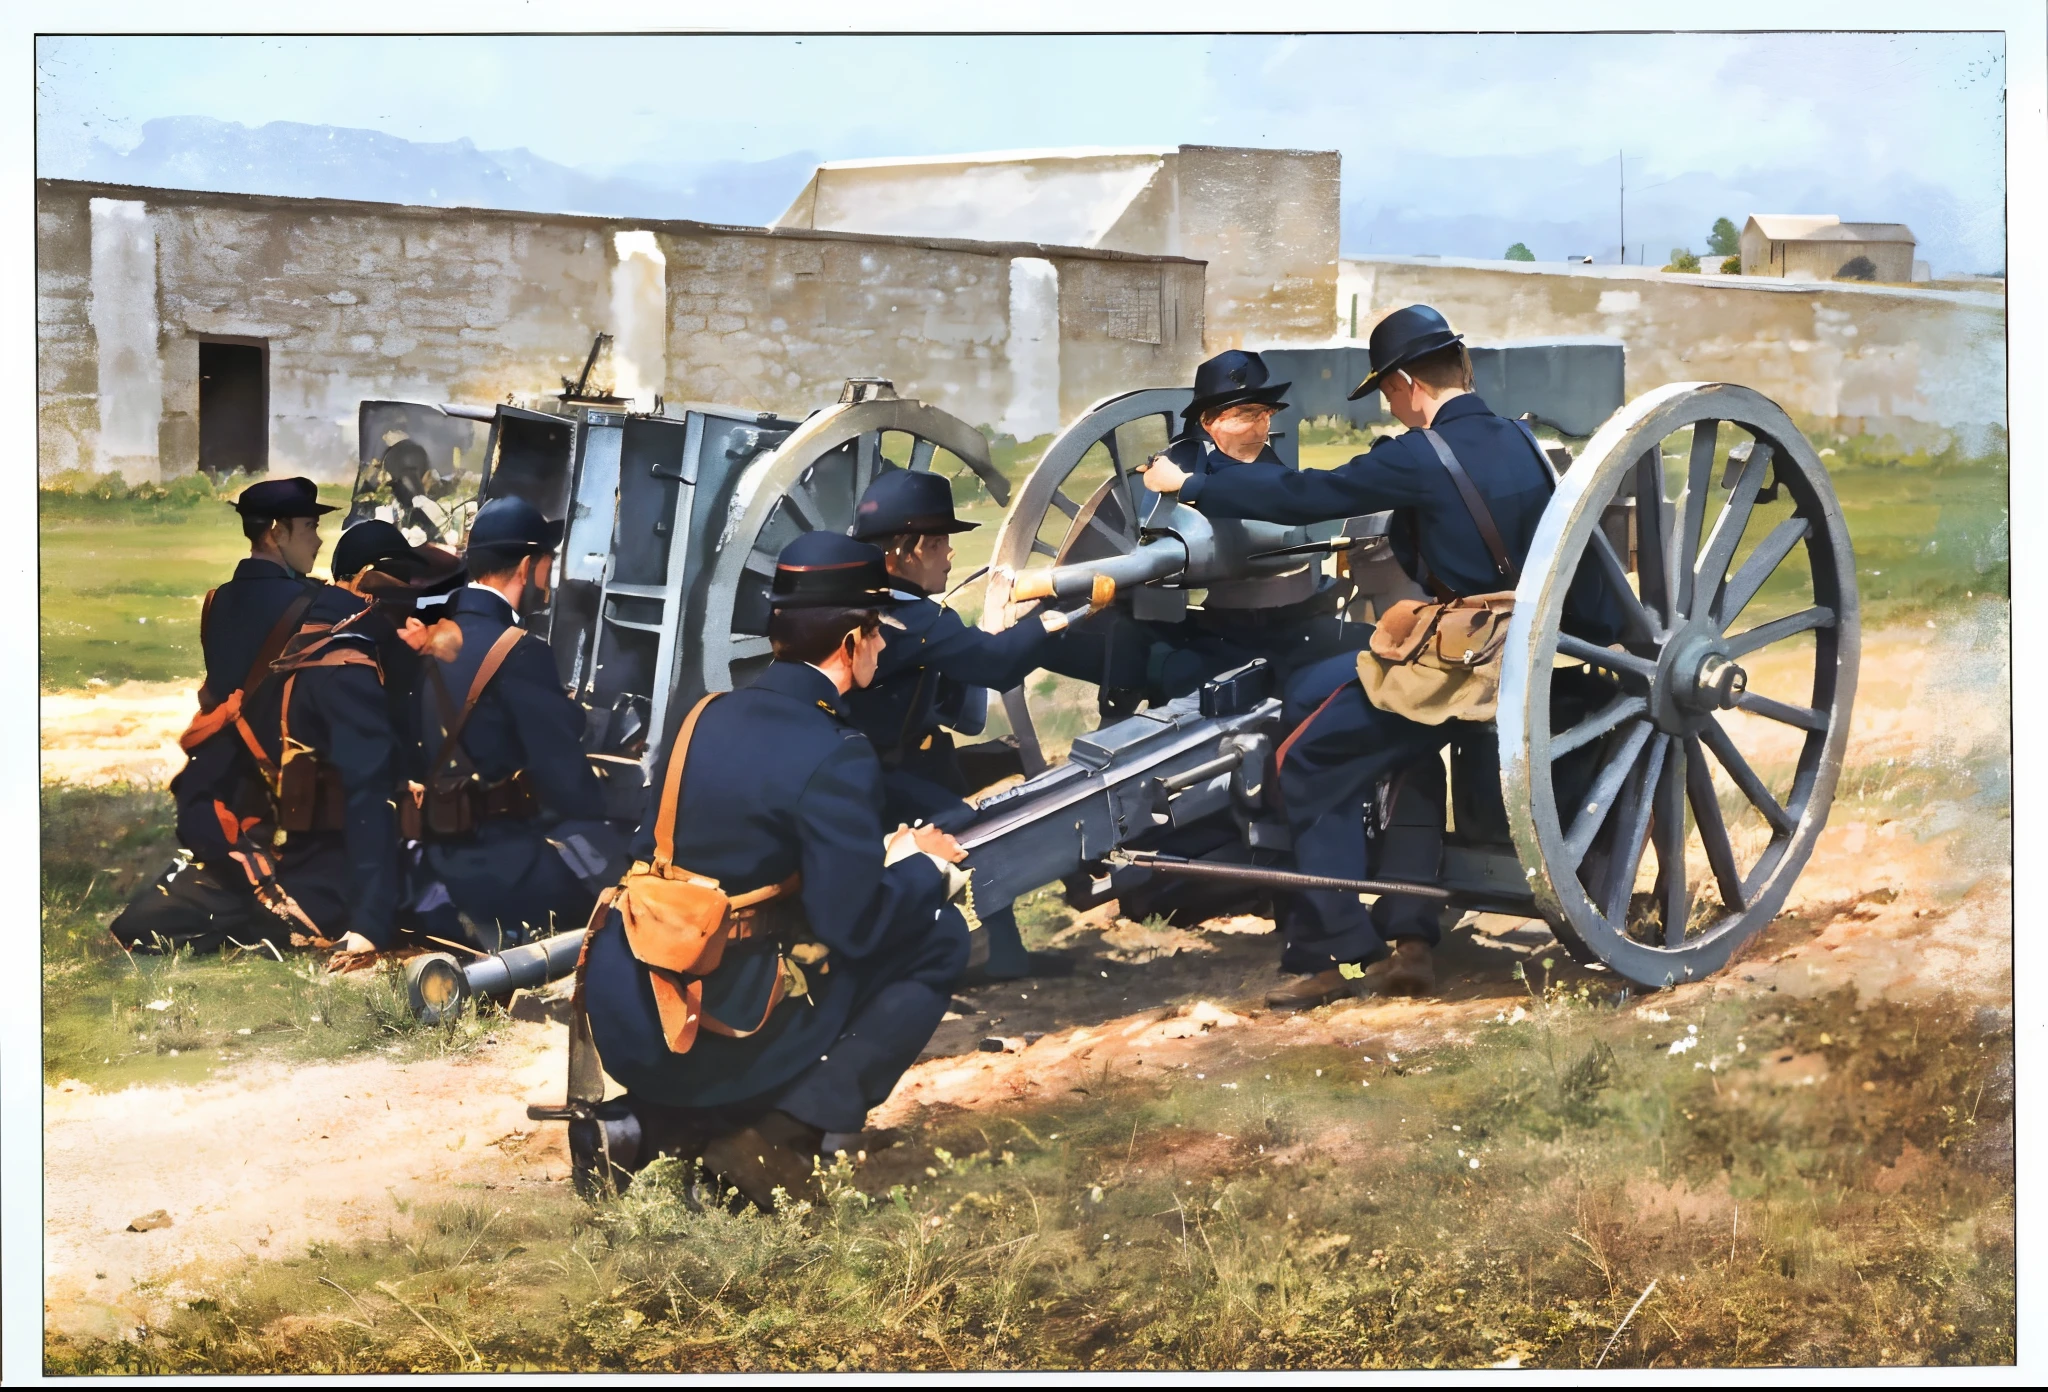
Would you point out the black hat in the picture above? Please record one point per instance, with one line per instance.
(514, 527)
(1402, 337)
(1231, 378)
(280, 498)
(907, 500)
(374, 542)
(821, 570)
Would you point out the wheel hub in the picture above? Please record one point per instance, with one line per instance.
(1695, 678)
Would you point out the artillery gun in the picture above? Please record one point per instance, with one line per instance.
(1647, 799)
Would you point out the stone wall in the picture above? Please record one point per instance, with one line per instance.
(1924, 366)
(1266, 222)
(358, 301)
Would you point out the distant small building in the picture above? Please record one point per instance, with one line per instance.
(1820, 246)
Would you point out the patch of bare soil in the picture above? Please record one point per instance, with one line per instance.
(115, 734)
(1902, 903)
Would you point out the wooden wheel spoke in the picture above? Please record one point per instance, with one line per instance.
(1633, 614)
(1122, 542)
(1039, 548)
(746, 645)
(1596, 724)
(1729, 526)
(921, 452)
(1126, 486)
(1777, 630)
(1684, 545)
(1651, 571)
(1065, 504)
(1632, 830)
(1750, 576)
(867, 461)
(1626, 663)
(1805, 717)
(1745, 777)
(1592, 814)
(1667, 833)
(1706, 814)
(802, 507)
(761, 563)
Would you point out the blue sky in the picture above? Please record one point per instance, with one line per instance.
(1450, 142)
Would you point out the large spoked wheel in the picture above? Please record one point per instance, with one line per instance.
(1081, 503)
(1662, 803)
(811, 482)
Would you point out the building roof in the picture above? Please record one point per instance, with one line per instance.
(1068, 152)
(1827, 227)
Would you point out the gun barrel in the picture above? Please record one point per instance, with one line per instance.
(1155, 560)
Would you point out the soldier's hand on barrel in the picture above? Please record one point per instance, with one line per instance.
(1162, 475)
(934, 842)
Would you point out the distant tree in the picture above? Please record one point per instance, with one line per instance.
(1732, 266)
(1683, 260)
(1725, 239)
(1518, 252)
(1857, 268)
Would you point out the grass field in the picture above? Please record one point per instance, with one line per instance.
(1572, 1185)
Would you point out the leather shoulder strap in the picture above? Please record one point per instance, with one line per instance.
(1482, 517)
(1542, 455)
(273, 642)
(672, 788)
(487, 669)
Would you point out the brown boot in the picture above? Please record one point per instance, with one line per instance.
(1410, 971)
(1308, 992)
(778, 1152)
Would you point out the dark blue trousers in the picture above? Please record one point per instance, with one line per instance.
(1330, 768)
(507, 879)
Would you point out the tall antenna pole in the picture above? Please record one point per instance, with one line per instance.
(1621, 182)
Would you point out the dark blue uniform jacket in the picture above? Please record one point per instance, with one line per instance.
(341, 713)
(245, 609)
(525, 720)
(926, 669)
(1402, 473)
(778, 781)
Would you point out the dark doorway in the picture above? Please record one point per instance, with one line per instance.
(234, 408)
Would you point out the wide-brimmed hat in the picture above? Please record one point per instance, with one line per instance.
(281, 498)
(1231, 378)
(828, 570)
(1401, 338)
(907, 501)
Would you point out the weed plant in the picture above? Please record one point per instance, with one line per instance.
(1824, 1182)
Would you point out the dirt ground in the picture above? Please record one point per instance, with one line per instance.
(1902, 902)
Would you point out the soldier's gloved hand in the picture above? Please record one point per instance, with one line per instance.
(1162, 475)
(353, 951)
(906, 841)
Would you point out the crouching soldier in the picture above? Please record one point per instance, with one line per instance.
(299, 811)
(938, 672)
(511, 811)
(772, 963)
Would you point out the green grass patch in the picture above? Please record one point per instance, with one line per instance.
(1826, 1182)
(123, 571)
(111, 1019)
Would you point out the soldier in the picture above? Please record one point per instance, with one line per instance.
(1290, 620)
(938, 672)
(298, 837)
(780, 808)
(513, 812)
(1344, 746)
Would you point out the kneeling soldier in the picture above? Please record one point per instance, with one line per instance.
(938, 672)
(513, 812)
(770, 966)
(302, 809)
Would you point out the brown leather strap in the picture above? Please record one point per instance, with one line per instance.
(672, 789)
(273, 643)
(451, 738)
(1482, 517)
